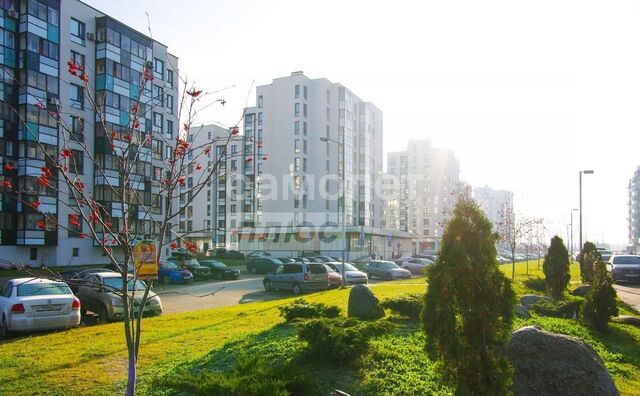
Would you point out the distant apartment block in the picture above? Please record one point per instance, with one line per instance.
(634, 212)
(39, 38)
(493, 202)
(421, 189)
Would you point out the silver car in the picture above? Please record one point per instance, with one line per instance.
(29, 304)
(417, 265)
(386, 270)
(353, 275)
(298, 277)
(624, 267)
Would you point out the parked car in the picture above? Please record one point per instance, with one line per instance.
(353, 276)
(298, 277)
(624, 267)
(30, 304)
(199, 272)
(259, 253)
(287, 260)
(302, 260)
(97, 295)
(416, 265)
(386, 270)
(222, 253)
(170, 272)
(73, 277)
(323, 259)
(263, 265)
(220, 270)
(335, 279)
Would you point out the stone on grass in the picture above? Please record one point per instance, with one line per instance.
(627, 319)
(363, 304)
(530, 299)
(581, 291)
(522, 312)
(546, 363)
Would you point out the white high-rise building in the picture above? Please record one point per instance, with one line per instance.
(493, 202)
(422, 187)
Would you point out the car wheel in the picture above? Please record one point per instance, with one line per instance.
(267, 285)
(218, 276)
(103, 316)
(252, 270)
(4, 332)
(165, 280)
(297, 289)
(387, 277)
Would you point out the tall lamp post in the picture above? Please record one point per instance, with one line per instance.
(344, 208)
(571, 234)
(586, 172)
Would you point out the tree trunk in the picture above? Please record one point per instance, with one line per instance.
(131, 377)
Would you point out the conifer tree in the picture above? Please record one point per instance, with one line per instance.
(600, 304)
(556, 267)
(588, 257)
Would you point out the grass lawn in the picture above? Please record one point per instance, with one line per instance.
(92, 360)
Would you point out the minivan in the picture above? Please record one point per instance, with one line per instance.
(298, 277)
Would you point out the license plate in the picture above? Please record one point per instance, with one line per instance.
(48, 308)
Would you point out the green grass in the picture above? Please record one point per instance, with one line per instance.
(92, 360)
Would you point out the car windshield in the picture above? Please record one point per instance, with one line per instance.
(216, 264)
(189, 262)
(42, 289)
(170, 265)
(626, 260)
(387, 265)
(317, 268)
(276, 261)
(116, 283)
(329, 268)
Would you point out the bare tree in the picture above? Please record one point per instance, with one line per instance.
(513, 230)
(141, 214)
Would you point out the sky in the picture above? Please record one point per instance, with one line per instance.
(525, 93)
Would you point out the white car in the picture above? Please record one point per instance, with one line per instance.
(29, 304)
(416, 265)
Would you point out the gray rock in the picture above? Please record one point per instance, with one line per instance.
(522, 312)
(363, 304)
(627, 319)
(530, 299)
(546, 363)
(581, 291)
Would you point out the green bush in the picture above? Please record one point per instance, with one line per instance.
(558, 309)
(409, 305)
(537, 284)
(587, 259)
(339, 339)
(302, 309)
(556, 267)
(600, 304)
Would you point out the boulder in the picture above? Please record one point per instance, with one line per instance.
(546, 363)
(363, 304)
(581, 291)
(522, 312)
(627, 319)
(529, 299)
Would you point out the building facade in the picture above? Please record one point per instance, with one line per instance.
(40, 37)
(420, 189)
(634, 212)
(493, 202)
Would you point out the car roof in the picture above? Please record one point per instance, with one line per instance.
(34, 280)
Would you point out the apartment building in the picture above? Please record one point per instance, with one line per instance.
(493, 202)
(634, 212)
(421, 187)
(39, 38)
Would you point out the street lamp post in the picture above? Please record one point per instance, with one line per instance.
(586, 172)
(344, 208)
(571, 233)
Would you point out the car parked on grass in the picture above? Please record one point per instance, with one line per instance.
(387, 270)
(30, 304)
(97, 295)
(417, 266)
(352, 274)
(170, 272)
(198, 271)
(220, 270)
(298, 277)
(73, 277)
(263, 265)
(624, 267)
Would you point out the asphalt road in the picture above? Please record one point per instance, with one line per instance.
(630, 294)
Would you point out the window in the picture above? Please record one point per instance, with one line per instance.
(74, 230)
(76, 95)
(158, 94)
(296, 164)
(297, 91)
(169, 128)
(156, 149)
(304, 164)
(33, 254)
(296, 146)
(158, 68)
(170, 77)
(328, 114)
(77, 128)
(74, 252)
(157, 173)
(304, 146)
(76, 162)
(296, 202)
(77, 57)
(260, 101)
(296, 127)
(157, 120)
(170, 102)
(259, 118)
(304, 128)
(304, 110)
(296, 111)
(305, 92)
(77, 31)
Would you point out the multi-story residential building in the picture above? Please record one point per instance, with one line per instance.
(493, 203)
(39, 38)
(634, 212)
(305, 145)
(420, 188)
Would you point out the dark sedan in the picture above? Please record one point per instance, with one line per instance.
(263, 265)
(220, 270)
(199, 271)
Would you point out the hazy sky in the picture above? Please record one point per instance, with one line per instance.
(525, 93)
